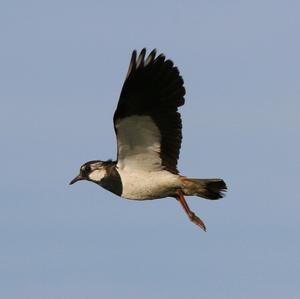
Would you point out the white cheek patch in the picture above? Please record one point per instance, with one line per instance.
(97, 175)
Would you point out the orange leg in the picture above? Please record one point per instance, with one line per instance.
(193, 217)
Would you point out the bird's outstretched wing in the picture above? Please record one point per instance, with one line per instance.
(147, 124)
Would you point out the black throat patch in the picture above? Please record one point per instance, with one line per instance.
(112, 180)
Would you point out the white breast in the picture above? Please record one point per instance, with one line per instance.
(141, 185)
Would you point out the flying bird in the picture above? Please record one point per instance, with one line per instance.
(148, 128)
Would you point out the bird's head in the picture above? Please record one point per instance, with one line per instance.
(93, 171)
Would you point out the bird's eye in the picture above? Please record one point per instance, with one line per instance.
(87, 168)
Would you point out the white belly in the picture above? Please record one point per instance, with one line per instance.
(141, 185)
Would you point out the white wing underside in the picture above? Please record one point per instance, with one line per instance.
(139, 142)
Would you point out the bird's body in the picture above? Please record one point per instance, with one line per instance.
(148, 128)
(144, 185)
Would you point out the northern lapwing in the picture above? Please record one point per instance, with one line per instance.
(148, 129)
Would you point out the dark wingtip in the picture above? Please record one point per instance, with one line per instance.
(132, 64)
(150, 57)
(140, 60)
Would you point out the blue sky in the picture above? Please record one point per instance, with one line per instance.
(62, 67)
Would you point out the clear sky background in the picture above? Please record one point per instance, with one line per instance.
(62, 65)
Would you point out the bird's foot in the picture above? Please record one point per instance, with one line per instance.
(193, 217)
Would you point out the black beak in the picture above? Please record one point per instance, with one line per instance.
(76, 179)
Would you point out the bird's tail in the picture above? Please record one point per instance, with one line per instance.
(206, 188)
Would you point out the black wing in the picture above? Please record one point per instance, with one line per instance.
(147, 124)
